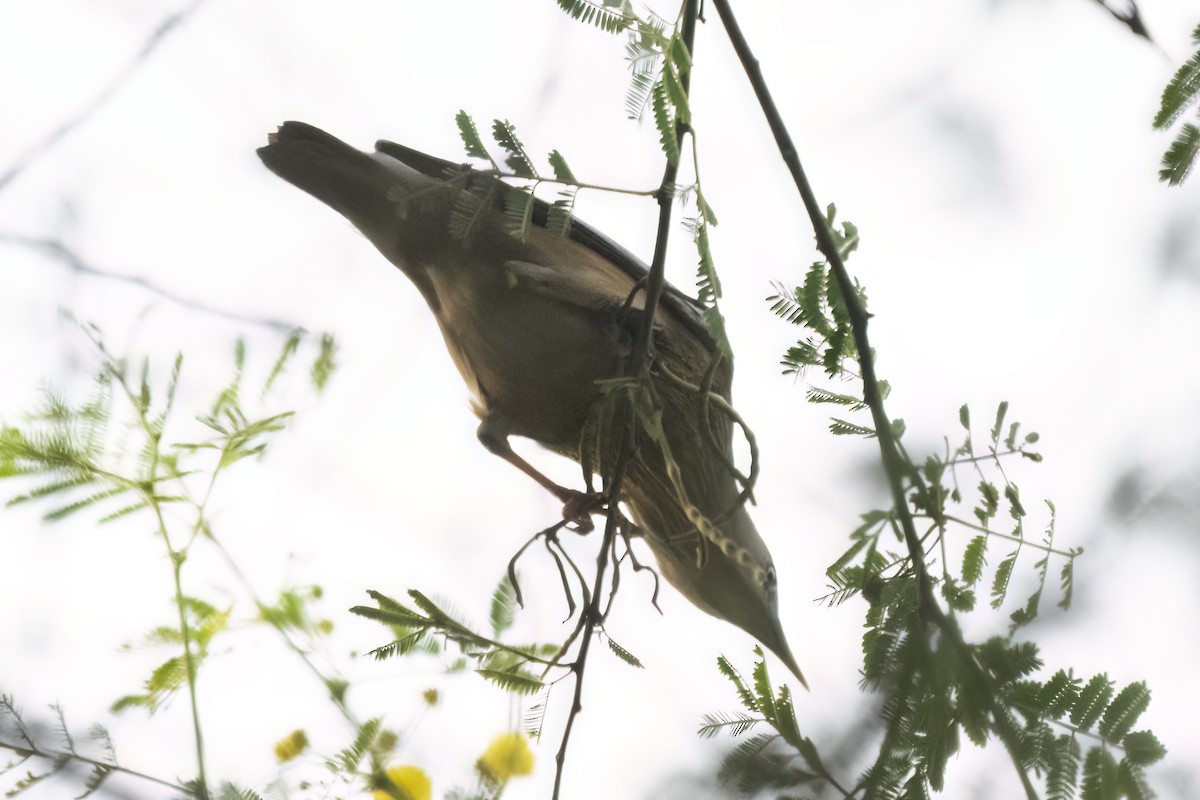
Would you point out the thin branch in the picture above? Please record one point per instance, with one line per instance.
(327, 681)
(640, 360)
(61, 756)
(708, 396)
(655, 282)
(177, 558)
(1131, 18)
(966, 523)
(590, 616)
(502, 174)
(60, 251)
(893, 463)
(993, 455)
(201, 527)
(169, 24)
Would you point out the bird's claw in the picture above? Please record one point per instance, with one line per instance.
(578, 508)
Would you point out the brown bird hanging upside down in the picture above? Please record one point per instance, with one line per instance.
(533, 325)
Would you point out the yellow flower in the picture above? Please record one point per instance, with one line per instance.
(291, 746)
(507, 756)
(412, 783)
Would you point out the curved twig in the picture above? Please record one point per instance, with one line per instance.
(893, 463)
(723, 405)
(639, 362)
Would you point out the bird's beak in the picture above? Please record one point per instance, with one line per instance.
(781, 649)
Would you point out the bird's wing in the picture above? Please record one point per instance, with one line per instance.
(684, 308)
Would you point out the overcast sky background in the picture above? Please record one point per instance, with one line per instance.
(997, 158)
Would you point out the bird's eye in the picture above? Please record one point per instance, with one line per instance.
(770, 579)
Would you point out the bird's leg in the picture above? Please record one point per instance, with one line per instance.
(577, 506)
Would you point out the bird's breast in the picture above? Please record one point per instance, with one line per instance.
(528, 354)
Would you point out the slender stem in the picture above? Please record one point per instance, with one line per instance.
(199, 528)
(291, 644)
(59, 756)
(893, 462)
(591, 612)
(640, 363)
(177, 558)
(499, 173)
(643, 346)
(966, 523)
(994, 455)
(74, 261)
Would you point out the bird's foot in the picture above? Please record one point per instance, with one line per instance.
(578, 508)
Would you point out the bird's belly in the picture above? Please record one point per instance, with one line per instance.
(534, 361)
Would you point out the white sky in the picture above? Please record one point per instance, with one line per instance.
(997, 158)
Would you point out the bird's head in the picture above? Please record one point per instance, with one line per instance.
(730, 575)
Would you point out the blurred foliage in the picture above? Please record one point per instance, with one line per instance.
(1074, 738)
(1178, 98)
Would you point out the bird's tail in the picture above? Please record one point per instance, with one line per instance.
(353, 183)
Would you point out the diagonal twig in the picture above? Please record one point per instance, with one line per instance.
(1131, 18)
(893, 462)
(58, 250)
(160, 33)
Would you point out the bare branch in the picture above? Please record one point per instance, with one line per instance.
(58, 250)
(160, 33)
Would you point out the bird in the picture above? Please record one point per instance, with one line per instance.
(539, 324)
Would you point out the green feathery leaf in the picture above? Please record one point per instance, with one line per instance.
(1002, 577)
(739, 683)
(469, 207)
(290, 346)
(1062, 776)
(1123, 712)
(973, 560)
(518, 159)
(1180, 93)
(623, 654)
(1099, 776)
(708, 283)
(763, 693)
(348, 759)
(558, 218)
(1092, 701)
(504, 607)
(1143, 748)
(997, 427)
(673, 81)
(1058, 694)
(513, 680)
(471, 139)
(1068, 581)
(840, 427)
(518, 210)
(664, 121)
(817, 394)
(643, 56)
(325, 363)
(562, 172)
(1181, 155)
(734, 724)
(603, 17)
(811, 298)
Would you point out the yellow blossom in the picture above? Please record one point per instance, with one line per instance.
(507, 756)
(291, 746)
(411, 782)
